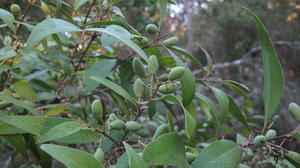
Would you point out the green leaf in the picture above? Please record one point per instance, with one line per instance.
(18, 142)
(187, 81)
(114, 22)
(71, 158)
(114, 87)
(163, 10)
(135, 161)
(7, 52)
(48, 27)
(166, 150)
(79, 3)
(17, 103)
(237, 113)
(7, 129)
(119, 35)
(8, 19)
(189, 123)
(188, 55)
(211, 106)
(273, 74)
(293, 158)
(82, 136)
(219, 154)
(23, 89)
(100, 69)
(36, 125)
(61, 130)
(209, 66)
(222, 99)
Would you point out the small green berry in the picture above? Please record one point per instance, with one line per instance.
(153, 65)
(171, 41)
(271, 134)
(117, 124)
(259, 140)
(139, 68)
(15, 8)
(295, 110)
(151, 28)
(176, 73)
(133, 126)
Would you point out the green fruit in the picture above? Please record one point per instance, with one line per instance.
(70, 44)
(142, 133)
(151, 28)
(163, 77)
(14, 8)
(99, 155)
(138, 68)
(170, 41)
(45, 8)
(271, 134)
(153, 65)
(112, 117)
(275, 118)
(117, 124)
(176, 73)
(168, 88)
(97, 108)
(160, 130)
(248, 154)
(295, 110)
(259, 140)
(243, 166)
(190, 157)
(133, 126)
(138, 88)
(293, 155)
(145, 41)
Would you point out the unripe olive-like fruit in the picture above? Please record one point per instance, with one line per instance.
(142, 133)
(153, 65)
(45, 8)
(133, 126)
(138, 88)
(248, 154)
(293, 155)
(151, 28)
(145, 41)
(295, 110)
(190, 157)
(138, 68)
(112, 117)
(163, 77)
(99, 155)
(170, 41)
(176, 73)
(168, 88)
(275, 118)
(70, 44)
(117, 124)
(243, 166)
(15, 8)
(271, 134)
(97, 108)
(160, 130)
(259, 140)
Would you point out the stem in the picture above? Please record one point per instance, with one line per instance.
(89, 12)
(106, 135)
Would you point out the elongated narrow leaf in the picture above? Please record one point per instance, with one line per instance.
(36, 125)
(273, 75)
(115, 22)
(119, 35)
(189, 123)
(61, 130)
(188, 55)
(163, 10)
(17, 141)
(211, 106)
(209, 65)
(135, 161)
(114, 87)
(48, 27)
(8, 19)
(7, 129)
(82, 136)
(237, 113)
(187, 81)
(219, 154)
(23, 89)
(222, 99)
(167, 150)
(71, 158)
(17, 103)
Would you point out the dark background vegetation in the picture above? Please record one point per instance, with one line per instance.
(229, 35)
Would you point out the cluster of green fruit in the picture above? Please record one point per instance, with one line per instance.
(153, 66)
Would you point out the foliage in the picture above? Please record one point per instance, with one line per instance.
(89, 90)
